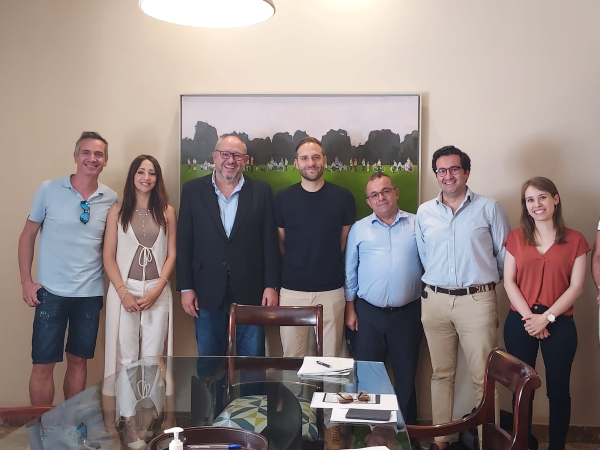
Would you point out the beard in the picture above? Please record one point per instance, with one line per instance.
(313, 177)
(226, 177)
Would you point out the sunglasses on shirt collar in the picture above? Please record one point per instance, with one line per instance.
(85, 215)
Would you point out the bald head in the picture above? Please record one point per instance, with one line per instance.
(231, 140)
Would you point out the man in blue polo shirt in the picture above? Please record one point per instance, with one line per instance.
(383, 289)
(70, 215)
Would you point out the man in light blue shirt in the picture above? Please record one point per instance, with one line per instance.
(383, 289)
(71, 214)
(460, 236)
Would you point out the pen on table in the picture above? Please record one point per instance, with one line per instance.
(219, 446)
(321, 363)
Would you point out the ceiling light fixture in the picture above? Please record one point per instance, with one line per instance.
(210, 13)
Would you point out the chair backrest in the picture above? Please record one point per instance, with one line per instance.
(515, 375)
(275, 316)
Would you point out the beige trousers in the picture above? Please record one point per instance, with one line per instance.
(470, 319)
(293, 339)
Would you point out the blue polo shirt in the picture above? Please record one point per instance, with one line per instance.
(70, 252)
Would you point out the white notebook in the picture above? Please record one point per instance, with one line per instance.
(321, 365)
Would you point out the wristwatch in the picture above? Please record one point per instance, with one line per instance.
(551, 317)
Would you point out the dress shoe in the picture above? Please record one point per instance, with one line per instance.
(335, 439)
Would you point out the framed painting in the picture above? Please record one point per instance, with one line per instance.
(360, 134)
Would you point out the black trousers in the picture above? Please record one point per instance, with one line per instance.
(558, 351)
(396, 334)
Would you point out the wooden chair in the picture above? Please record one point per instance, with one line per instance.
(521, 380)
(311, 424)
(275, 316)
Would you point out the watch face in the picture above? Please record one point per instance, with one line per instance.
(551, 317)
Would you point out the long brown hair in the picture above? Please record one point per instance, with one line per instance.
(159, 200)
(527, 222)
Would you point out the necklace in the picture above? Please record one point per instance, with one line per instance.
(143, 220)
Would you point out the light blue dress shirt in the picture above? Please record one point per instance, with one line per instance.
(228, 206)
(382, 262)
(465, 248)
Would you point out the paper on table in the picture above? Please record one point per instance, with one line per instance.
(338, 366)
(339, 415)
(387, 402)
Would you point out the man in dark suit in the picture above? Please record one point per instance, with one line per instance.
(227, 250)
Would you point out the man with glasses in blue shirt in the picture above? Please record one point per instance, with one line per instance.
(460, 237)
(383, 289)
(227, 250)
(70, 215)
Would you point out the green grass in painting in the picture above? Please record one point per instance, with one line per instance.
(355, 182)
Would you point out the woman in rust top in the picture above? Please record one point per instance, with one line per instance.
(543, 276)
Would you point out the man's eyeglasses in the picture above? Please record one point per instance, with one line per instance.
(345, 397)
(227, 155)
(453, 171)
(384, 191)
(85, 215)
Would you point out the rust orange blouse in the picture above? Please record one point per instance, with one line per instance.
(542, 279)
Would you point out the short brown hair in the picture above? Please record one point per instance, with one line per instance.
(91, 135)
(527, 222)
(309, 140)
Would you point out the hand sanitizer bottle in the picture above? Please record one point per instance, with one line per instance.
(175, 444)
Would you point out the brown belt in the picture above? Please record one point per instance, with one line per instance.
(464, 291)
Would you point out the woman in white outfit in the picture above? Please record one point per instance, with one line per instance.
(139, 257)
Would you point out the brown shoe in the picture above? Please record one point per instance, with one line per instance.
(335, 439)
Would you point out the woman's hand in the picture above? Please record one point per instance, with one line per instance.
(129, 303)
(543, 334)
(535, 324)
(527, 316)
(148, 299)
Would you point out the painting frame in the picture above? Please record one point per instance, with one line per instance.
(356, 130)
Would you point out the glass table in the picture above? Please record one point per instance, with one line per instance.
(257, 394)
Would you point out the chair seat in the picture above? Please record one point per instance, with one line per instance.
(250, 413)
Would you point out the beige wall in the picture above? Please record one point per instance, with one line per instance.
(513, 83)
